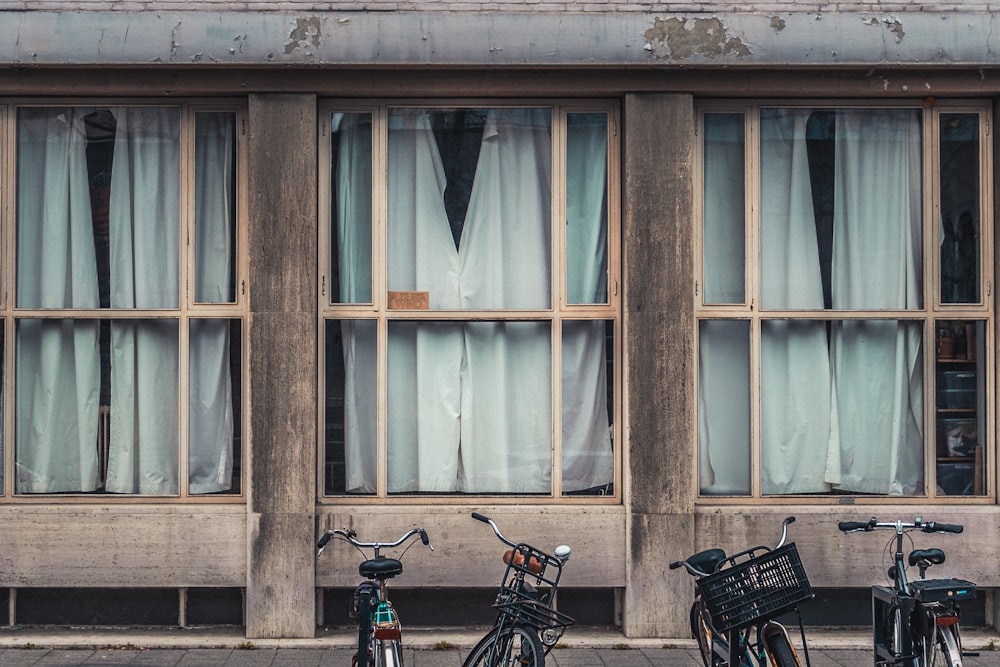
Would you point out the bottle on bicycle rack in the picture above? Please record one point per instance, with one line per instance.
(379, 630)
(915, 623)
(737, 599)
(527, 625)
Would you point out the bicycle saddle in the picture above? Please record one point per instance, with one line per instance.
(380, 567)
(932, 556)
(707, 561)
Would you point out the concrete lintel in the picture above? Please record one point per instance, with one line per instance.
(541, 39)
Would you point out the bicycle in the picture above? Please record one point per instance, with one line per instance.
(737, 599)
(527, 625)
(915, 623)
(379, 630)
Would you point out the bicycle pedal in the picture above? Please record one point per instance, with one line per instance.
(970, 654)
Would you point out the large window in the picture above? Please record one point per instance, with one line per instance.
(844, 310)
(470, 300)
(126, 313)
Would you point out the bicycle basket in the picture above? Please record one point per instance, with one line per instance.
(529, 611)
(757, 589)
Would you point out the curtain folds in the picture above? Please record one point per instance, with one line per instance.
(841, 400)
(58, 361)
(469, 403)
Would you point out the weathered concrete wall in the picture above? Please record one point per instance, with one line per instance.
(671, 36)
(658, 198)
(283, 386)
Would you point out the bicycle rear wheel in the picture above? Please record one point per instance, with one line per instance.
(779, 650)
(701, 630)
(363, 659)
(388, 653)
(943, 650)
(508, 646)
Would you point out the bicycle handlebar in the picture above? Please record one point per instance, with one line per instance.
(351, 537)
(687, 565)
(899, 526)
(562, 552)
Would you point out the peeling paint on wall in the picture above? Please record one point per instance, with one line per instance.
(777, 23)
(680, 39)
(304, 35)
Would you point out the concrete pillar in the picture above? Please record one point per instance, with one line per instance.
(660, 366)
(280, 597)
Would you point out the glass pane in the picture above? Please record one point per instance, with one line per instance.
(842, 407)
(350, 417)
(587, 207)
(960, 407)
(724, 403)
(96, 406)
(725, 221)
(470, 407)
(98, 207)
(351, 208)
(215, 414)
(841, 209)
(215, 207)
(588, 357)
(960, 210)
(469, 208)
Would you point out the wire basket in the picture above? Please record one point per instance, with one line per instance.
(755, 590)
(520, 600)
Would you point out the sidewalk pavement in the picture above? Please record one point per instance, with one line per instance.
(582, 647)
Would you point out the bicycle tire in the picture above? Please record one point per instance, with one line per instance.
(364, 629)
(701, 630)
(508, 646)
(779, 650)
(943, 650)
(388, 653)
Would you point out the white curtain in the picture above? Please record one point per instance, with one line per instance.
(841, 401)
(876, 264)
(144, 232)
(211, 405)
(795, 364)
(353, 184)
(425, 360)
(587, 458)
(58, 361)
(469, 403)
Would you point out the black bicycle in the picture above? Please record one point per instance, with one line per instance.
(737, 599)
(527, 625)
(380, 634)
(915, 623)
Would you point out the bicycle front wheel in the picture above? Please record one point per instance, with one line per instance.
(779, 650)
(508, 646)
(388, 653)
(944, 649)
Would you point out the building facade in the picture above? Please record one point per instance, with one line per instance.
(640, 277)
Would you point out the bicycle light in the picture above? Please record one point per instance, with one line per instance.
(562, 552)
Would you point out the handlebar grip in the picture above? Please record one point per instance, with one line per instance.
(934, 527)
(849, 526)
(423, 537)
(479, 517)
(676, 564)
(323, 540)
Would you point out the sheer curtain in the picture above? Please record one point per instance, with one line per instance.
(58, 361)
(795, 365)
(425, 359)
(211, 404)
(587, 456)
(842, 409)
(876, 264)
(144, 233)
(504, 256)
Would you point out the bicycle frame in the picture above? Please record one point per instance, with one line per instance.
(749, 633)
(521, 607)
(379, 629)
(910, 617)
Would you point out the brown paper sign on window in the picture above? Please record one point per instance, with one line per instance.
(409, 300)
